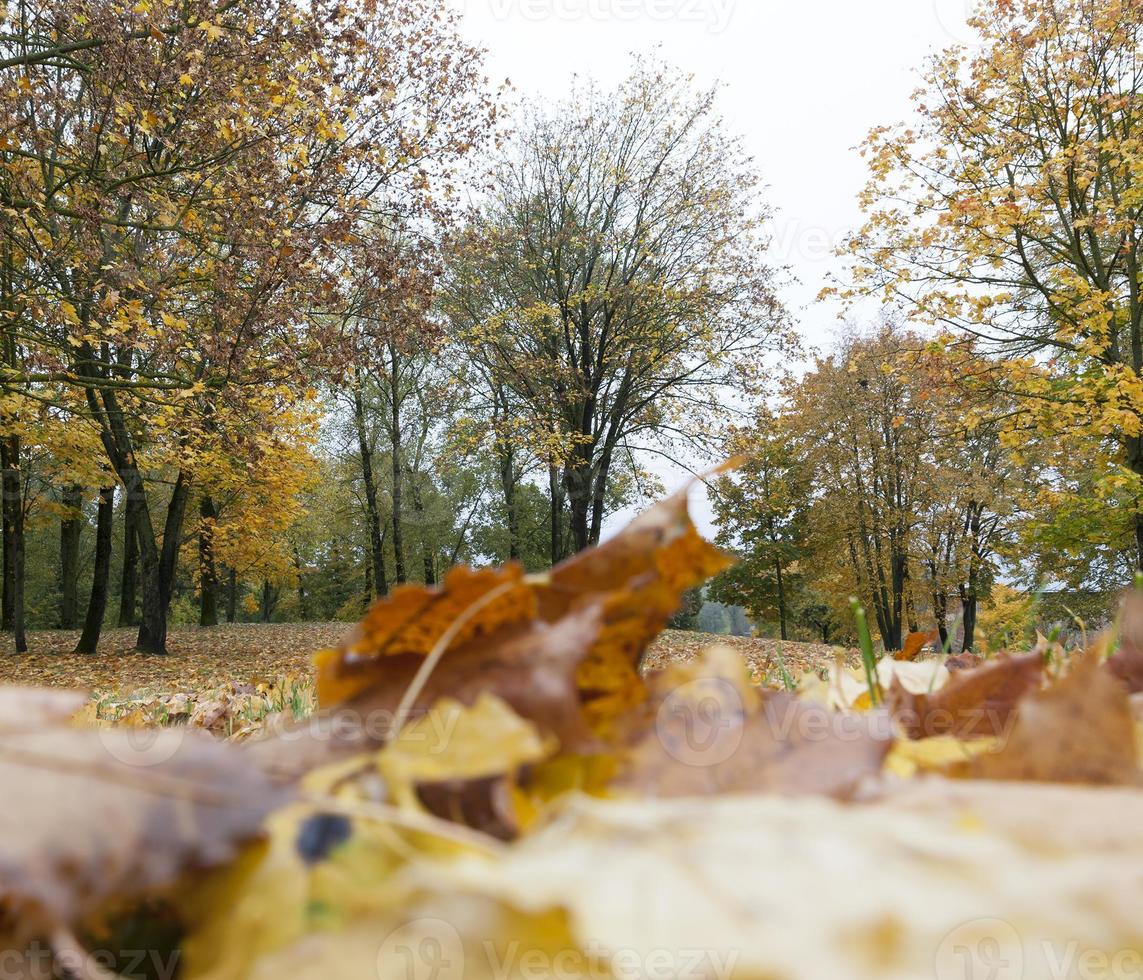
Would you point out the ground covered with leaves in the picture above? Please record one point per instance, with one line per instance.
(231, 678)
(479, 782)
(200, 659)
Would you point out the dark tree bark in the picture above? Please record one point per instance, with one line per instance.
(156, 565)
(970, 590)
(427, 558)
(270, 596)
(172, 537)
(555, 489)
(398, 476)
(97, 604)
(380, 585)
(129, 584)
(508, 487)
(1135, 464)
(71, 527)
(7, 599)
(782, 612)
(506, 460)
(969, 604)
(303, 597)
(207, 569)
(941, 611)
(231, 595)
(911, 614)
(13, 510)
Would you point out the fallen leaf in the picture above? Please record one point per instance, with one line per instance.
(973, 703)
(1127, 662)
(637, 578)
(909, 758)
(94, 817)
(460, 763)
(412, 619)
(24, 708)
(707, 731)
(914, 644)
(531, 666)
(963, 661)
(643, 571)
(753, 886)
(1081, 730)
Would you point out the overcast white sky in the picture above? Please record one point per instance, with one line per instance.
(803, 83)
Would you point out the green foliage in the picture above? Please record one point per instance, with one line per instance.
(687, 617)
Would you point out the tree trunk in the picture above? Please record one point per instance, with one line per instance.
(129, 584)
(941, 611)
(157, 564)
(577, 480)
(427, 558)
(555, 490)
(172, 537)
(599, 497)
(152, 637)
(231, 595)
(1134, 448)
(207, 570)
(13, 490)
(398, 467)
(373, 510)
(97, 604)
(270, 596)
(71, 526)
(156, 569)
(781, 600)
(7, 586)
(303, 599)
(508, 487)
(969, 604)
(911, 613)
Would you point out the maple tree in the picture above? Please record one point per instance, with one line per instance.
(1007, 213)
